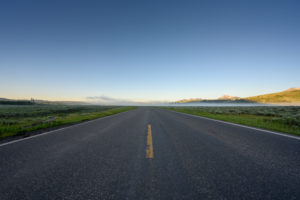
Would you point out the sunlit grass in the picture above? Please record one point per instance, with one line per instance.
(17, 120)
(277, 118)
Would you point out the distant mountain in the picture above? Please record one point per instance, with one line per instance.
(228, 97)
(189, 100)
(219, 100)
(291, 95)
(292, 89)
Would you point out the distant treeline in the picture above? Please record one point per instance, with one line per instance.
(16, 102)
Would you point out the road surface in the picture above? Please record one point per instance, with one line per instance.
(150, 153)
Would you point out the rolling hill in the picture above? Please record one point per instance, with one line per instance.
(291, 95)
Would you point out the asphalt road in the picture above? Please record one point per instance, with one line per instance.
(192, 158)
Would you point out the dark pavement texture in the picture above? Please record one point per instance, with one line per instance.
(194, 158)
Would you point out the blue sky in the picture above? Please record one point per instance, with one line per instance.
(148, 50)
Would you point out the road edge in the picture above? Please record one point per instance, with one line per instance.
(239, 125)
(66, 126)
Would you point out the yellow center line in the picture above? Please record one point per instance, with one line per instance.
(149, 150)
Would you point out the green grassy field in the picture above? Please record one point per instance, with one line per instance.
(20, 119)
(278, 118)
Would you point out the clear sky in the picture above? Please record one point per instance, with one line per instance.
(148, 50)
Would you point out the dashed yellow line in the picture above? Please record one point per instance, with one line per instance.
(149, 150)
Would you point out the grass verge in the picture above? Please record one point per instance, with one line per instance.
(19, 120)
(276, 118)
